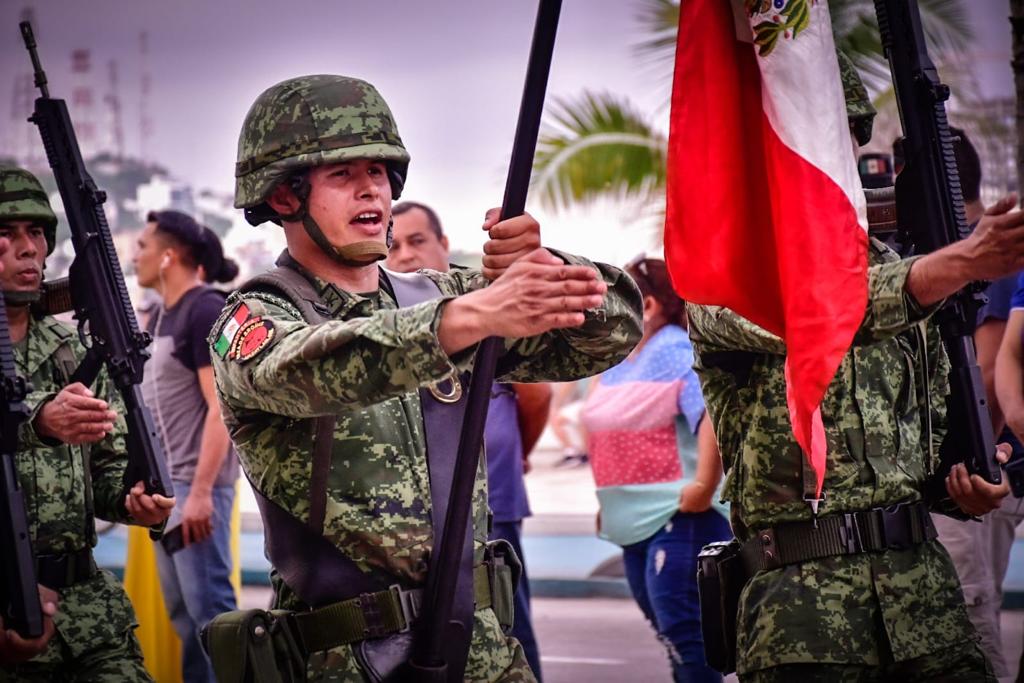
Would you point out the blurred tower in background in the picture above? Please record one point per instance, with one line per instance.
(82, 104)
(113, 101)
(145, 81)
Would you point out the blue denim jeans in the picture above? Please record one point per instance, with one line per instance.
(522, 627)
(196, 581)
(662, 575)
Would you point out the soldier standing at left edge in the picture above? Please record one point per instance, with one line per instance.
(71, 459)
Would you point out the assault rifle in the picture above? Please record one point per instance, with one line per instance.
(19, 597)
(106, 320)
(930, 210)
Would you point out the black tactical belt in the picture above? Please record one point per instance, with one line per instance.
(372, 615)
(61, 570)
(893, 528)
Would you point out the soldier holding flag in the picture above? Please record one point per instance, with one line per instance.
(825, 381)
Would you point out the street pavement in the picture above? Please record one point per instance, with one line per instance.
(607, 640)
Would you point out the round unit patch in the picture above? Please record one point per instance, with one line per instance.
(252, 337)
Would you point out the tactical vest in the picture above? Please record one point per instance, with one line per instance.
(349, 605)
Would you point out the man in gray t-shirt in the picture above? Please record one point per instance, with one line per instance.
(178, 388)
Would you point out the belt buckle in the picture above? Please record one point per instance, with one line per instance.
(409, 603)
(894, 526)
(849, 534)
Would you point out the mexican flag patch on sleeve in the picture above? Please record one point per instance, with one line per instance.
(230, 329)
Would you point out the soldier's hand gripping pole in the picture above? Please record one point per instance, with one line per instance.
(19, 596)
(106, 319)
(428, 663)
(930, 213)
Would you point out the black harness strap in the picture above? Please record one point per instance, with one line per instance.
(312, 566)
(442, 422)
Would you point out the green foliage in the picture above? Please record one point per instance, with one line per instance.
(597, 145)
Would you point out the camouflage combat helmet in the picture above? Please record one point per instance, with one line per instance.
(311, 121)
(858, 103)
(22, 198)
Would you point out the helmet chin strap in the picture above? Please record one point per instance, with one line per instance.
(354, 255)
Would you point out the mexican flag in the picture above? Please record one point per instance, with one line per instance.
(766, 215)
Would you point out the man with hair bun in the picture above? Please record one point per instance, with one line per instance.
(175, 255)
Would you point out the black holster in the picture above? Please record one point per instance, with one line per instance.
(720, 579)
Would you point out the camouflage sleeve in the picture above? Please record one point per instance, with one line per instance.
(308, 370)
(606, 337)
(891, 310)
(715, 326)
(108, 460)
(28, 437)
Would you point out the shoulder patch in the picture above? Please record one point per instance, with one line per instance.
(229, 329)
(252, 337)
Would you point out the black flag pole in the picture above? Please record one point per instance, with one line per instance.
(428, 652)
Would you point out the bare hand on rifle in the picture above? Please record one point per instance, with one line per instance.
(147, 510)
(14, 648)
(974, 495)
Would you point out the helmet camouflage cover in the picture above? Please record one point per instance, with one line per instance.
(859, 109)
(22, 198)
(310, 121)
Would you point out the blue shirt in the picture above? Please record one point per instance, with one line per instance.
(504, 451)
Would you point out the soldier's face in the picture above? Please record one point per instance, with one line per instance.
(149, 251)
(351, 201)
(23, 260)
(416, 245)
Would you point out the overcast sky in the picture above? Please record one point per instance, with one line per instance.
(452, 72)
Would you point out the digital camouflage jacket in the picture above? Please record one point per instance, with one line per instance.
(876, 411)
(366, 365)
(63, 487)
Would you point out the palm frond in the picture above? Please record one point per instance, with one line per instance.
(659, 21)
(595, 146)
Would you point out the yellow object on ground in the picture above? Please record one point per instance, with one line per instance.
(161, 646)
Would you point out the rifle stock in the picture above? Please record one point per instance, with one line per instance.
(930, 210)
(106, 319)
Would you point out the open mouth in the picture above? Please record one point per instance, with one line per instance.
(369, 218)
(370, 223)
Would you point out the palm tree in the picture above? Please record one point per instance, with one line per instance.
(599, 145)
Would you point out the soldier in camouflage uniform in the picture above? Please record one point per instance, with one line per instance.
(321, 155)
(884, 615)
(70, 462)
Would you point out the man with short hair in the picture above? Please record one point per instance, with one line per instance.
(71, 460)
(515, 419)
(330, 389)
(418, 241)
